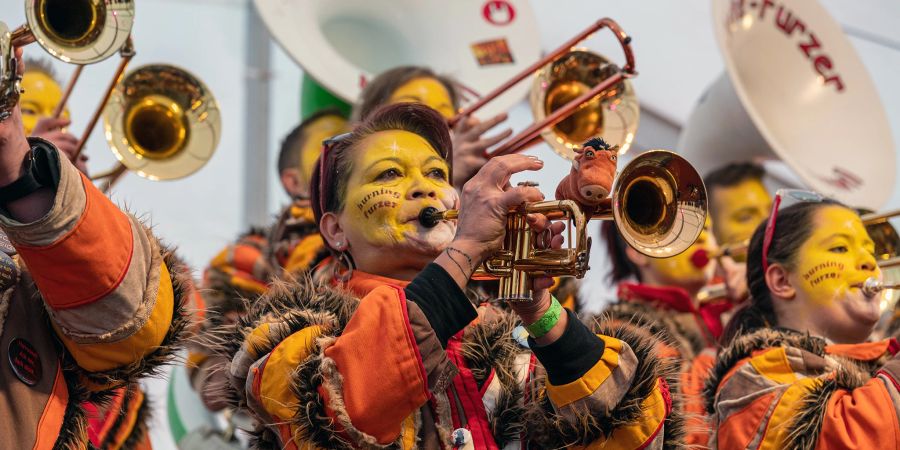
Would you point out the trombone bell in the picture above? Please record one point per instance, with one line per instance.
(611, 115)
(162, 122)
(156, 126)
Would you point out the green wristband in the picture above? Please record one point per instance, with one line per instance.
(547, 321)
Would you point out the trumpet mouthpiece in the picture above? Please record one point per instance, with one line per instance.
(429, 217)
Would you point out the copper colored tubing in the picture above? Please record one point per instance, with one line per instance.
(527, 136)
(65, 98)
(623, 38)
(112, 177)
(126, 58)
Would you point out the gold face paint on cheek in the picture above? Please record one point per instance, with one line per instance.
(428, 91)
(40, 98)
(739, 209)
(316, 132)
(380, 205)
(681, 266)
(828, 263)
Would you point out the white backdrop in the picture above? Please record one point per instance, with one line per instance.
(676, 57)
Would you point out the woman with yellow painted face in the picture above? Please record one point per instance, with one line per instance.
(38, 102)
(397, 355)
(797, 370)
(421, 85)
(661, 295)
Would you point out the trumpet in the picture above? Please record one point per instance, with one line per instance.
(658, 203)
(73, 31)
(576, 95)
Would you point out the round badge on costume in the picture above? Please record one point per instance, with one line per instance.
(25, 361)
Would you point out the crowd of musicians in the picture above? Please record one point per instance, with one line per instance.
(347, 323)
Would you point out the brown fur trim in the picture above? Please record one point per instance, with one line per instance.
(172, 342)
(489, 346)
(73, 434)
(806, 427)
(687, 342)
(139, 428)
(296, 304)
(744, 345)
(546, 429)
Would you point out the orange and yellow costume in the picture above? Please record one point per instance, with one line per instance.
(775, 389)
(95, 303)
(320, 367)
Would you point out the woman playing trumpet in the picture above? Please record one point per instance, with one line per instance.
(797, 370)
(400, 356)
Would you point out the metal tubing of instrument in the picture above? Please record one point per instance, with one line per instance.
(113, 176)
(65, 98)
(889, 263)
(869, 219)
(529, 135)
(21, 37)
(606, 22)
(127, 53)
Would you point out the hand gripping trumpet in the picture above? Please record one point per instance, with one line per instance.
(658, 204)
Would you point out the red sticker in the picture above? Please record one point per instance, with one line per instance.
(25, 361)
(498, 12)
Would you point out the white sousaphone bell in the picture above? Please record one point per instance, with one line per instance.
(794, 90)
(342, 44)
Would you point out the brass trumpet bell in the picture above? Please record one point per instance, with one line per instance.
(613, 115)
(162, 122)
(659, 204)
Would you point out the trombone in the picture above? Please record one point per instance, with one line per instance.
(73, 31)
(887, 241)
(576, 95)
(658, 203)
(162, 123)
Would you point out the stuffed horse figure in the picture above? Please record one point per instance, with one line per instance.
(591, 177)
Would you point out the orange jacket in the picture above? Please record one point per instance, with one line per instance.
(94, 303)
(318, 368)
(774, 389)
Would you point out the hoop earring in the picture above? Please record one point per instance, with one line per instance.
(343, 259)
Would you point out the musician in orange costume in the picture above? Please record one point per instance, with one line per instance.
(797, 369)
(398, 355)
(90, 300)
(661, 295)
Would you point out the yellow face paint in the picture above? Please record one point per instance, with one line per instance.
(427, 91)
(395, 175)
(40, 98)
(680, 270)
(837, 255)
(316, 132)
(737, 210)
